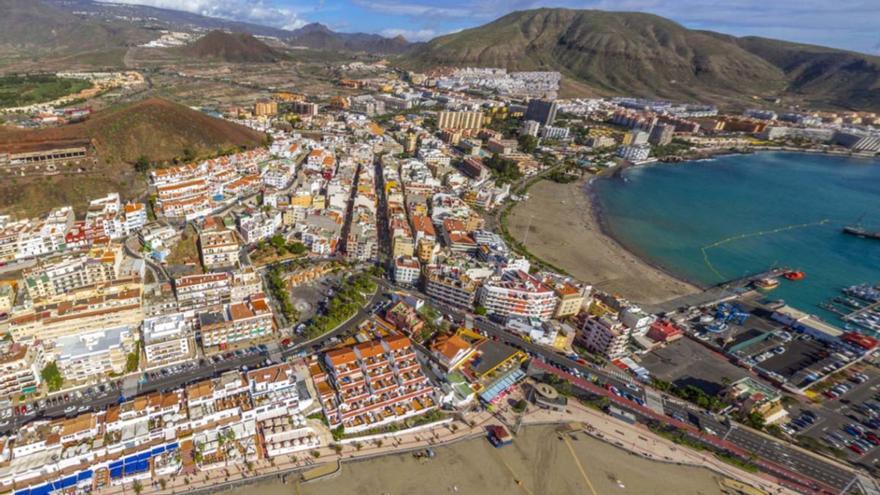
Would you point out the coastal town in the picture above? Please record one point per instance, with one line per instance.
(361, 283)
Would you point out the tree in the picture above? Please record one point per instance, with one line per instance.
(297, 248)
(527, 143)
(188, 155)
(338, 432)
(480, 310)
(137, 487)
(52, 376)
(142, 164)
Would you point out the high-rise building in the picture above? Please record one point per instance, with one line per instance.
(541, 111)
(265, 108)
(661, 134)
(529, 128)
(460, 120)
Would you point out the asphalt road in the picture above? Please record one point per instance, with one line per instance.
(811, 466)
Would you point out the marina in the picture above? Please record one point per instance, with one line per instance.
(858, 308)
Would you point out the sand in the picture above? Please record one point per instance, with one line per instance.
(558, 224)
(543, 463)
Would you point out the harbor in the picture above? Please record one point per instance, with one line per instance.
(858, 307)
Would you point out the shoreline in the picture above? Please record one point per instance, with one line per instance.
(598, 214)
(558, 225)
(601, 219)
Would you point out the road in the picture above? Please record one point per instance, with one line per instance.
(768, 448)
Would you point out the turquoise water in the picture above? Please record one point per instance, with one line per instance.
(714, 220)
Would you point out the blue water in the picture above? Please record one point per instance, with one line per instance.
(710, 221)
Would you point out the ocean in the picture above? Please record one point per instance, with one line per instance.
(713, 220)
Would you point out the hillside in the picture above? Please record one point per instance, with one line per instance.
(232, 47)
(32, 25)
(640, 54)
(155, 128)
(319, 37)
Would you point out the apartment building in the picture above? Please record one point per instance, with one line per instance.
(62, 275)
(259, 226)
(218, 249)
(105, 305)
(406, 270)
(371, 384)
(605, 336)
(91, 354)
(516, 293)
(450, 287)
(167, 339)
(199, 291)
(20, 367)
(235, 323)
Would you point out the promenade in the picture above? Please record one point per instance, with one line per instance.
(635, 439)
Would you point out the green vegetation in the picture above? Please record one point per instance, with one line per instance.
(132, 361)
(19, 91)
(527, 143)
(279, 291)
(338, 433)
(691, 394)
(736, 461)
(480, 310)
(677, 147)
(755, 420)
(504, 170)
(520, 406)
(277, 247)
(344, 304)
(52, 377)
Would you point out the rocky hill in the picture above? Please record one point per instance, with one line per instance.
(232, 47)
(319, 37)
(615, 53)
(156, 128)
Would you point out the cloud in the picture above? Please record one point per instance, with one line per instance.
(410, 34)
(264, 12)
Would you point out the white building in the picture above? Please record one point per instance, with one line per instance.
(167, 338)
(634, 153)
(406, 270)
(516, 293)
(259, 226)
(92, 354)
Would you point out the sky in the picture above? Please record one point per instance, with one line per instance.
(849, 24)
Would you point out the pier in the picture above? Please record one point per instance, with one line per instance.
(715, 294)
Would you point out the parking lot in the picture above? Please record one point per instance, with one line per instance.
(685, 362)
(858, 406)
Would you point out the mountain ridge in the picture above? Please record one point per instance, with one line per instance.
(641, 54)
(232, 47)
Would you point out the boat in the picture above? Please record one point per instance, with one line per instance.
(860, 232)
(766, 284)
(794, 275)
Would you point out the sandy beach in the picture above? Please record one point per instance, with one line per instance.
(558, 224)
(543, 463)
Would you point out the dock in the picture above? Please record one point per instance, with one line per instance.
(715, 294)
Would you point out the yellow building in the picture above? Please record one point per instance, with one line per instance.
(401, 246)
(265, 108)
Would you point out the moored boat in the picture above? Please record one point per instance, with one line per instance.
(766, 284)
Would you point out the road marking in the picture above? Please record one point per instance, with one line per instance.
(579, 466)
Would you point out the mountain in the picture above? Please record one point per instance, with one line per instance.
(315, 36)
(32, 25)
(319, 37)
(620, 53)
(232, 47)
(156, 128)
(159, 18)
